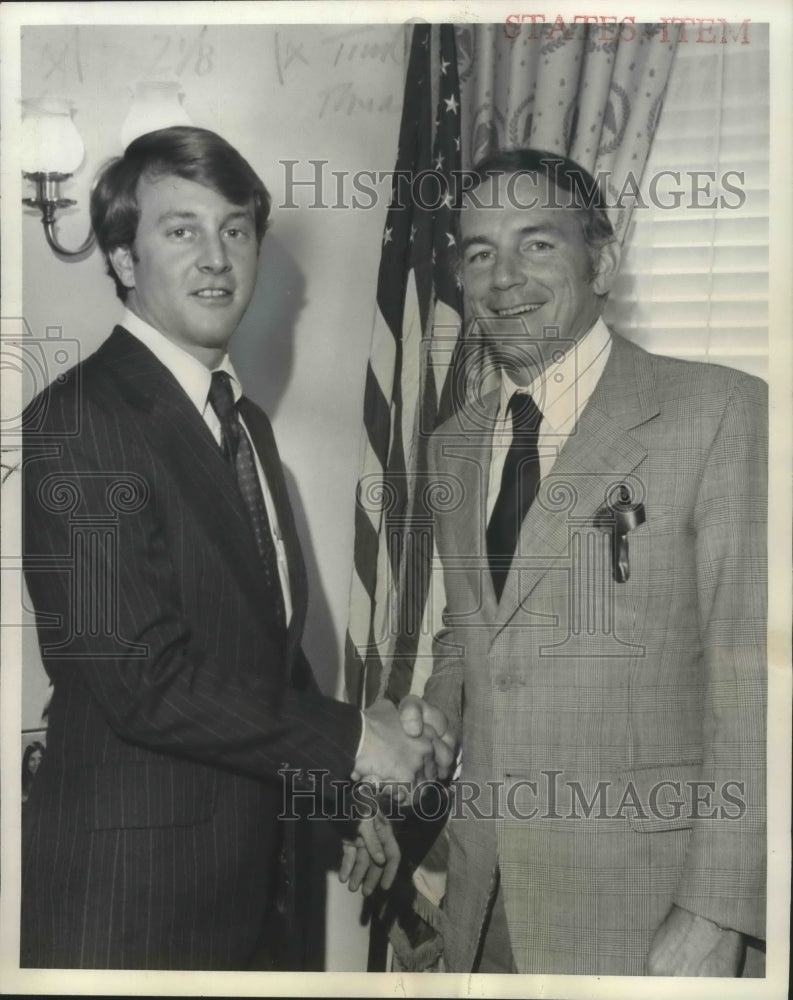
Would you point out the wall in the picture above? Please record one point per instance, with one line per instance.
(277, 93)
(333, 94)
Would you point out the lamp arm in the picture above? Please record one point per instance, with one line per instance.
(49, 232)
(47, 200)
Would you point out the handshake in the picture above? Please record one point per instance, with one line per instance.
(399, 748)
(404, 745)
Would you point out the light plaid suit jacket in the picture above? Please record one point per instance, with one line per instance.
(573, 680)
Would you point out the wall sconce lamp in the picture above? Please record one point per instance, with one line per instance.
(52, 150)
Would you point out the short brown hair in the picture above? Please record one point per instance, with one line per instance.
(196, 154)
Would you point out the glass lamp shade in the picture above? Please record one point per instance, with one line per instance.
(50, 142)
(155, 105)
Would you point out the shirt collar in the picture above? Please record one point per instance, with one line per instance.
(194, 377)
(563, 389)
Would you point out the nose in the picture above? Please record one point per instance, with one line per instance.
(506, 272)
(213, 258)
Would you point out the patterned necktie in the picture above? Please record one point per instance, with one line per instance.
(238, 452)
(519, 482)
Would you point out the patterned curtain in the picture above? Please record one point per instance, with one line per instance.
(571, 89)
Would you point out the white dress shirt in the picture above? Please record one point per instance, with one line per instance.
(195, 378)
(561, 392)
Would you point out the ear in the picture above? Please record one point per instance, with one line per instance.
(123, 263)
(608, 262)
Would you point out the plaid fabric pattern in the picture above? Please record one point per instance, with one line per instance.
(655, 681)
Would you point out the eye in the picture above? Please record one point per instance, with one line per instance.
(180, 233)
(538, 246)
(236, 233)
(479, 257)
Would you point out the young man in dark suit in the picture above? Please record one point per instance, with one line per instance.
(163, 563)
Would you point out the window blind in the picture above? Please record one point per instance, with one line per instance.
(694, 280)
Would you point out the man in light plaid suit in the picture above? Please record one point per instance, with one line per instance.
(604, 670)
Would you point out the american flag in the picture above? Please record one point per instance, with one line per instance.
(408, 385)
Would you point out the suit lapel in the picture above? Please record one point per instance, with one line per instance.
(600, 454)
(176, 432)
(264, 442)
(469, 450)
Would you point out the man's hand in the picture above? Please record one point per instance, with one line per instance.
(420, 718)
(372, 859)
(388, 752)
(688, 945)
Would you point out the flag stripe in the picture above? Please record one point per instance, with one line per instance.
(407, 382)
(376, 417)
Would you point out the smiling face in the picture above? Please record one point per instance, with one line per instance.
(526, 270)
(191, 271)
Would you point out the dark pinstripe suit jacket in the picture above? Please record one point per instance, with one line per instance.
(151, 836)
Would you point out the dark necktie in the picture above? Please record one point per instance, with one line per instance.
(238, 453)
(519, 482)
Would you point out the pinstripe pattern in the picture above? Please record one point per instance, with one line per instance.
(675, 690)
(152, 833)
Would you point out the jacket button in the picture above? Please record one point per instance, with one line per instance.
(504, 682)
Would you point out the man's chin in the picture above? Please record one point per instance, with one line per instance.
(215, 338)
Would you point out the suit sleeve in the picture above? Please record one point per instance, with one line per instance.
(123, 633)
(724, 874)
